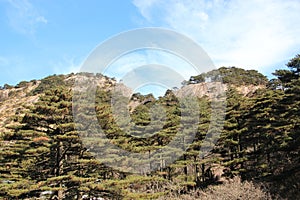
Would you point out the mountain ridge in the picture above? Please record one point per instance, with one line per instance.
(14, 98)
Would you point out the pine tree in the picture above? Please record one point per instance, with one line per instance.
(230, 144)
(263, 136)
(48, 152)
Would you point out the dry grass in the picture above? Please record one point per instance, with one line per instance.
(233, 190)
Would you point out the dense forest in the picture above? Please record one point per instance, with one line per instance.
(42, 155)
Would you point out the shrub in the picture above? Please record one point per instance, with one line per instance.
(49, 82)
(234, 189)
(21, 84)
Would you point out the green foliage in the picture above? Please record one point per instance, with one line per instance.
(21, 84)
(50, 82)
(259, 140)
(46, 151)
(7, 86)
(231, 75)
(287, 77)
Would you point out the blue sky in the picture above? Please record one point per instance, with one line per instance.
(39, 38)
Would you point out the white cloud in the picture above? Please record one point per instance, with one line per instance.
(128, 62)
(144, 7)
(41, 19)
(150, 71)
(249, 34)
(24, 17)
(67, 65)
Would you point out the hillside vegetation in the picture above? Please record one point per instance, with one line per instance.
(42, 155)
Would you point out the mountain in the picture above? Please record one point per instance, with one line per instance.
(43, 155)
(14, 99)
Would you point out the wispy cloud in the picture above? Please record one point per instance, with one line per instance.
(67, 65)
(151, 71)
(129, 62)
(23, 17)
(249, 34)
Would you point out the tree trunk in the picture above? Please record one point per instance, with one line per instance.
(185, 168)
(59, 168)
